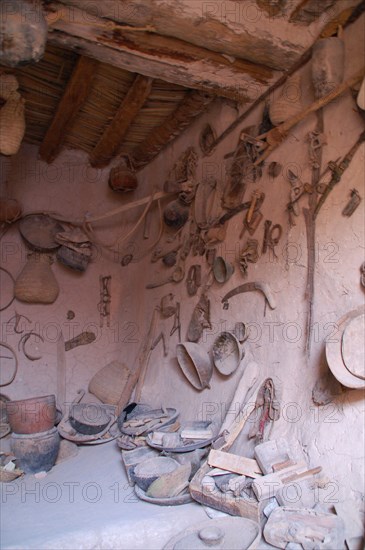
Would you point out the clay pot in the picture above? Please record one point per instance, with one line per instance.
(195, 363)
(122, 177)
(176, 214)
(34, 415)
(328, 64)
(89, 418)
(36, 282)
(24, 31)
(36, 452)
(10, 210)
(151, 469)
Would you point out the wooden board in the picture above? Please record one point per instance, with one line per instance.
(234, 463)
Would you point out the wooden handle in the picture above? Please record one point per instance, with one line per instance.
(307, 473)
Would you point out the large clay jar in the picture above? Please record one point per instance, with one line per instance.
(36, 452)
(34, 415)
(328, 65)
(36, 283)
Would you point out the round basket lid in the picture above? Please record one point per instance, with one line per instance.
(334, 352)
(224, 533)
(39, 231)
(353, 346)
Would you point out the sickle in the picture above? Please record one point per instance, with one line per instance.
(248, 287)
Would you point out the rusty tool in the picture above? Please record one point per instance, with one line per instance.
(337, 172)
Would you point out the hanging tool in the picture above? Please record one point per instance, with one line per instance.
(352, 204)
(176, 276)
(17, 318)
(272, 236)
(249, 287)
(177, 325)
(337, 171)
(105, 299)
(194, 279)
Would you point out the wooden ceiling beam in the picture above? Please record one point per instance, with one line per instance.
(75, 95)
(193, 104)
(156, 56)
(110, 142)
(241, 29)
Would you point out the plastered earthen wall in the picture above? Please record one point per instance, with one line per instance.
(332, 436)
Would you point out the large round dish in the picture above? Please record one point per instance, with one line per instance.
(334, 352)
(183, 498)
(195, 363)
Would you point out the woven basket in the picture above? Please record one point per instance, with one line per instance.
(12, 124)
(289, 103)
(36, 282)
(8, 84)
(108, 384)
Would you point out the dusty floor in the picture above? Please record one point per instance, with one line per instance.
(86, 502)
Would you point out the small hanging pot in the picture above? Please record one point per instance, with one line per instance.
(176, 214)
(122, 177)
(36, 283)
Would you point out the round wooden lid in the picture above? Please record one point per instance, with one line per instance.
(353, 346)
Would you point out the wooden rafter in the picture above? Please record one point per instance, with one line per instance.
(75, 95)
(188, 109)
(166, 58)
(309, 10)
(111, 140)
(243, 30)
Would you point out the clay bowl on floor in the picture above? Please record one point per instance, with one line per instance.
(195, 363)
(151, 469)
(31, 416)
(36, 452)
(89, 418)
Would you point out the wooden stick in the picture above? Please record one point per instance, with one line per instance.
(138, 374)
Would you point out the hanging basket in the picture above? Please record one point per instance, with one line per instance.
(10, 210)
(108, 383)
(8, 84)
(36, 283)
(12, 124)
(289, 103)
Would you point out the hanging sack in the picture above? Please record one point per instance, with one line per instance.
(36, 283)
